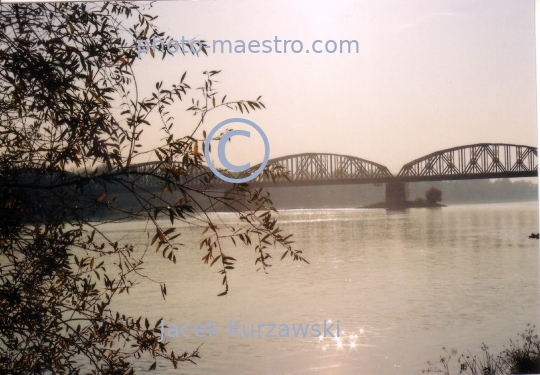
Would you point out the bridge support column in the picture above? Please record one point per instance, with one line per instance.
(395, 195)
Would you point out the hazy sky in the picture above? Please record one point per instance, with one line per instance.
(429, 74)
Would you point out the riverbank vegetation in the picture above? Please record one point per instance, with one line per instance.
(522, 356)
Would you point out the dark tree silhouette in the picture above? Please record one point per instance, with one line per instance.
(71, 120)
(433, 196)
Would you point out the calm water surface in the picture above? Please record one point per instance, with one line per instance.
(403, 284)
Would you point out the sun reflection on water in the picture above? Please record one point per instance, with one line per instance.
(351, 340)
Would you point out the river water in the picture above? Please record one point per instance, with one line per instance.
(402, 285)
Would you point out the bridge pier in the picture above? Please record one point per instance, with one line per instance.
(395, 195)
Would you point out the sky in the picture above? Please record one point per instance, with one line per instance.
(428, 75)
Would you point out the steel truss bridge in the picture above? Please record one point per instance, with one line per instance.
(478, 161)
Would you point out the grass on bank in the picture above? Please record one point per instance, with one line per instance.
(520, 357)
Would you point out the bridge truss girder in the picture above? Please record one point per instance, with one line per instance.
(324, 169)
(478, 161)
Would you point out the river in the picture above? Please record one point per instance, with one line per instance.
(402, 285)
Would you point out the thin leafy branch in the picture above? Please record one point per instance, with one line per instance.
(74, 158)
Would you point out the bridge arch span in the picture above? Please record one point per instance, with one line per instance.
(478, 161)
(326, 169)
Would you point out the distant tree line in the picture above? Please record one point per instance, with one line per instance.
(352, 196)
(480, 191)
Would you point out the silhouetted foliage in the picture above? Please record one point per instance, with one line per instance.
(71, 120)
(521, 357)
(433, 196)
